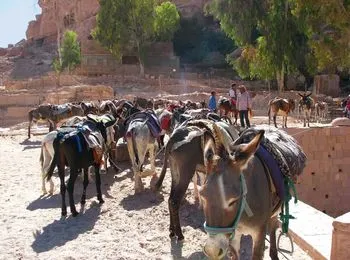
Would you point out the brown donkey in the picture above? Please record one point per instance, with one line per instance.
(307, 104)
(280, 106)
(239, 198)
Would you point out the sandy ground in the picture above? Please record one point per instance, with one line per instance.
(126, 226)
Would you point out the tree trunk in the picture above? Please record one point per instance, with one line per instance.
(142, 69)
(280, 80)
(58, 80)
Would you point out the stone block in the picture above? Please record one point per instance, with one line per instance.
(340, 238)
(121, 152)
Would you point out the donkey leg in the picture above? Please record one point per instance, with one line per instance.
(85, 184)
(274, 120)
(259, 244)
(273, 241)
(30, 122)
(70, 188)
(98, 183)
(176, 195)
(152, 159)
(61, 174)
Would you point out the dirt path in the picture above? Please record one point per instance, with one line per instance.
(126, 226)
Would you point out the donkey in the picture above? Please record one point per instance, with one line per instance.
(73, 150)
(226, 106)
(143, 103)
(280, 106)
(321, 111)
(244, 191)
(184, 151)
(143, 130)
(53, 114)
(307, 104)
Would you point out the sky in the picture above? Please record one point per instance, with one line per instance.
(14, 18)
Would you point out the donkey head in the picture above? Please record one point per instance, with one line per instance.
(291, 104)
(222, 193)
(103, 124)
(305, 100)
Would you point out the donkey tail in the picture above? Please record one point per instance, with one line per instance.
(165, 164)
(54, 160)
(30, 119)
(41, 159)
(269, 111)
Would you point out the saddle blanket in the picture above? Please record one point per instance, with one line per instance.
(280, 152)
(151, 120)
(60, 109)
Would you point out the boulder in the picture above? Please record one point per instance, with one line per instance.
(341, 121)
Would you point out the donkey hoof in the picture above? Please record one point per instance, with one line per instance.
(171, 234)
(180, 238)
(82, 202)
(64, 213)
(101, 201)
(75, 213)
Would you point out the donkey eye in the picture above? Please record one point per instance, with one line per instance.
(231, 202)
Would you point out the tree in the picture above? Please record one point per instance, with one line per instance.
(70, 54)
(70, 51)
(130, 25)
(327, 28)
(167, 21)
(302, 36)
(266, 31)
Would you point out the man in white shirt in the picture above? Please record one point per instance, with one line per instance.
(232, 91)
(244, 104)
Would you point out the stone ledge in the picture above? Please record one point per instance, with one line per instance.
(311, 230)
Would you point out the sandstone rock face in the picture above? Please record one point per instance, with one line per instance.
(61, 15)
(80, 15)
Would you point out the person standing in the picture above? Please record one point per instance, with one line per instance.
(212, 102)
(232, 94)
(232, 91)
(244, 104)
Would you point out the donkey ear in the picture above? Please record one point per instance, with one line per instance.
(244, 152)
(251, 147)
(300, 95)
(309, 95)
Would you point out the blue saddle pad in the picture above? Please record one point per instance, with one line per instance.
(275, 172)
(152, 121)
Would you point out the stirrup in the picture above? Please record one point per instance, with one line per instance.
(291, 243)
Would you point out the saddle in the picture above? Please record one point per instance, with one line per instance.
(60, 109)
(150, 118)
(280, 153)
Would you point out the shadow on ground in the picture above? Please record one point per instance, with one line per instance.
(59, 232)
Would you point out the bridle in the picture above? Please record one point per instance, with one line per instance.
(212, 231)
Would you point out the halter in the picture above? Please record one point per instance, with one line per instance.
(242, 206)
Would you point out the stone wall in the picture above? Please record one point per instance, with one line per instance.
(325, 182)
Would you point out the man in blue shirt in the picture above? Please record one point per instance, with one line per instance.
(212, 102)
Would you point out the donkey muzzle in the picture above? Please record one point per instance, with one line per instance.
(216, 247)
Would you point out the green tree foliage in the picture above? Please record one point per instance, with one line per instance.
(327, 26)
(70, 51)
(127, 26)
(167, 21)
(70, 55)
(302, 36)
